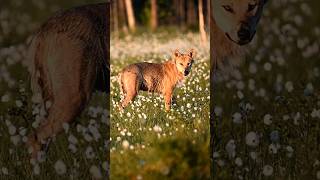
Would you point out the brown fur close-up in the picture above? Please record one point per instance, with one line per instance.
(69, 58)
(155, 77)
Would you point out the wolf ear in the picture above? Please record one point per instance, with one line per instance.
(192, 53)
(176, 53)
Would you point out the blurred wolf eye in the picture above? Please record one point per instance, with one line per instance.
(251, 7)
(181, 64)
(228, 8)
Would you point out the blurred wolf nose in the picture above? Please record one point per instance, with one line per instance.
(244, 33)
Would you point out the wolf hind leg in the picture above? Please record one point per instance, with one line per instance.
(60, 112)
(131, 88)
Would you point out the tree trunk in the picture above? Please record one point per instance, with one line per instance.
(154, 18)
(191, 15)
(208, 15)
(130, 15)
(201, 23)
(122, 16)
(115, 23)
(182, 12)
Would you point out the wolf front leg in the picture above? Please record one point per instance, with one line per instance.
(168, 100)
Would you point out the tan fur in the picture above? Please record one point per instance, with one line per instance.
(68, 57)
(160, 78)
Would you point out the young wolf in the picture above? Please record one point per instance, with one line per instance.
(155, 77)
(69, 58)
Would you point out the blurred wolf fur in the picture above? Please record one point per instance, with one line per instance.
(69, 59)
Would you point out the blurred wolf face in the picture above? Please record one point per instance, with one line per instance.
(238, 19)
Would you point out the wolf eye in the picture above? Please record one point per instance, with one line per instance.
(181, 64)
(228, 8)
(251, 7)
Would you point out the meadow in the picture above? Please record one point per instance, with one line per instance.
(267, 110)
(81, 151)
(146, 142)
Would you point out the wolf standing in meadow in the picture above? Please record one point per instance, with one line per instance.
(69, 59)
(161, 78)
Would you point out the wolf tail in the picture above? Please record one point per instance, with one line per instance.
(39, 77)
(32, 65)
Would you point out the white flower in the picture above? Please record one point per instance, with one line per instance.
(231, 148)
(252, 139)
(95, 171)
(36, 169)
(238, 161)
(72, 148)
(60, 167)
(72, 139)
(157, 128)
(89, 153)
(5, 98)
(22, 131)
(253, 155)
(315, 113)
(118, 138)
(290, 151)
(188, 105)
(237, 118)
(318, 174)
(218, 110)
(12, 129)
(65, 127)
(267, 170)
(95, 132)
(125, 144)
(15, 139)
(216, 155)
(289, 86)
(5, 170)
(267, 119)
(273, 148)
(18, 103)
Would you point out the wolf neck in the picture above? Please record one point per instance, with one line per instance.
(221, 47)
(172, 70)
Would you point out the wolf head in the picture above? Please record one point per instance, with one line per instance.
(184, 62)
(238, 19)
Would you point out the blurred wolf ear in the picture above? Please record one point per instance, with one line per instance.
(192, 53)
(176, 53)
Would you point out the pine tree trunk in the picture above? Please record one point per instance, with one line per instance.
(122, 16)
(182, 12)
(201, 22)
(130, 15)
(154, 18)
(114, 14)
(191, 15)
